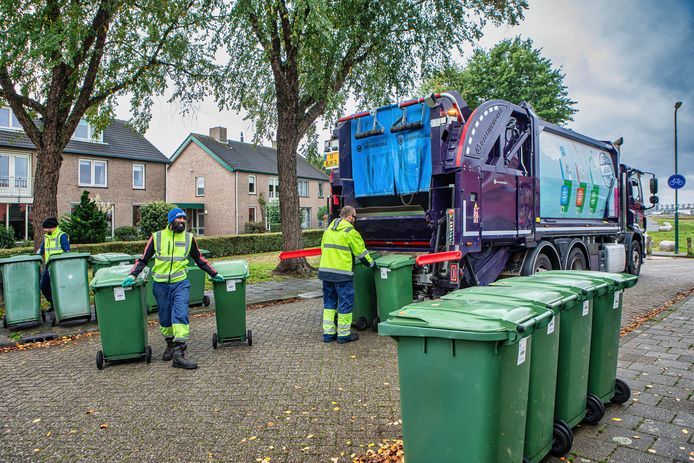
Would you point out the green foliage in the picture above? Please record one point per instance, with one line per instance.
(126, 233)
(512, 70)
(153, 217)
(254, 227)
(6, 237)
(273, 212)
(323, 210)
(88, 224)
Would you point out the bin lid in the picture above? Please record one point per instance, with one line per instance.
(20, 258)
(204, 252)
(597, 287)
(109, 277)
(620, 280)
(451, 319)
(581, 288)
(110, 257)
(374, 255)
(69, 255)
(543, 297)
(395, 261)
(232, 269)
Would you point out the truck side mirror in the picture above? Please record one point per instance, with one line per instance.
(653, 186)
(654, 200)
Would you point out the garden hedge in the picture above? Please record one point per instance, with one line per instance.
(219, 246)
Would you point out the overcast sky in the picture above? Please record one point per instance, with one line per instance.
(626, 63)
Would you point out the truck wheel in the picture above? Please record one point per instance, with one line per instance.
(576, 260)
(542, 264)
(634, 263)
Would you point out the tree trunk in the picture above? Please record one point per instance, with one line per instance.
(48, 162)
(288, 138)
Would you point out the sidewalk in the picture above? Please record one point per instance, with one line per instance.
(255, 294)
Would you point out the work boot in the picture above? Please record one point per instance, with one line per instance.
(345, 339)
(179, 359)
(168, 353)
(329, 337)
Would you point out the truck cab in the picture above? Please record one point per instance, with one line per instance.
(634, 218)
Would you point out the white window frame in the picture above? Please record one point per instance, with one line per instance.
(303, 182)
(11, 121)
(275, 182)
(321, 190)
(92, 163)
(197, 190)
(308, 215)
(254, 183)
(91, 132)
(143, 187)
(255, 214)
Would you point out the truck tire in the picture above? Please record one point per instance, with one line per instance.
(542, 264)
(634, 258)
(576, 260)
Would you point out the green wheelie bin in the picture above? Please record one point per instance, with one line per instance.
(393, 277)
(230, 303)
(543, 434)
(464, 379)
(121, 315)
(196, 277)
(364, 310)
(572, 404)
(109, 259)
(604, 344)
(21, 276)
(69, 287)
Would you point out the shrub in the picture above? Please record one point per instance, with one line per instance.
(87, 224)
(254, 227)
(126, 233)
(6, 237)
(153, 216)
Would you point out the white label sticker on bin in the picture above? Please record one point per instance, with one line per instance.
(119, 293)
(550, 327)
(231, 286)
(522, 347)
(615, 304)
(586, 307)
(384, 273)
(70, 277)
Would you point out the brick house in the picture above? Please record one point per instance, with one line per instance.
(219, 182)
(119, 167)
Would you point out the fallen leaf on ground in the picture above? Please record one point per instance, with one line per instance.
(36, 420)
(103, 426)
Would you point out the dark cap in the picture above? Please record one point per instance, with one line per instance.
(50, 222)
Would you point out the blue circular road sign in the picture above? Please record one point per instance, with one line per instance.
(676, 181)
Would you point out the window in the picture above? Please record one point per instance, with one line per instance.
(86, 132)
(251, 214)
(8, 120)
(273, 188)
(199, 186)
(320, 189)
(251, 184)
(92, 173)
(139, 176)
(305, 217)
(136, 216)
(303, 188)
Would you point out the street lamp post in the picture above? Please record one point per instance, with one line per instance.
(677, 214)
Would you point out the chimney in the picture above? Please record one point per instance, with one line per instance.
(241, 137)
(219, 134)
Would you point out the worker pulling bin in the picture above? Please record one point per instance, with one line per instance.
(70, 287)
(21, 276)
(230, 303)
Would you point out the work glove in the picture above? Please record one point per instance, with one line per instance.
(218, 278)
(128, 282)
(372, 264)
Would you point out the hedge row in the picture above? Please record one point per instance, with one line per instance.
(219, 246)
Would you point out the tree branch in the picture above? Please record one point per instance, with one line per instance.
(17, 103)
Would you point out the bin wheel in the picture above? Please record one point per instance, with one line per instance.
(375, 323)
(206, 300)
(249, 337)
(595, 410)
(148, 354)
(362, 323)
(562, 439)
(100, 360)
(215, 340)
(43, 316)
(622, 392)
(4, 321)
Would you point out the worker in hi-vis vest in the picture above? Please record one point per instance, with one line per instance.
(170, 248)
(55, 241)
(336, 269)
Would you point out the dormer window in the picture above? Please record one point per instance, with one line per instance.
(86, 132)
(8, 120)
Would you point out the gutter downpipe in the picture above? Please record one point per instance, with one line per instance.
(236, 200)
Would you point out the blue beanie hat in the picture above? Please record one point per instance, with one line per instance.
(175, 213)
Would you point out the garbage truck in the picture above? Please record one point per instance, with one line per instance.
(486, 192)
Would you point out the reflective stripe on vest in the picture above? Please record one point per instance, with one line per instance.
(51, 244)
(170, 256)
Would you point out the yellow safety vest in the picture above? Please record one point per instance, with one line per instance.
(340, 242)
(51, 244)
(170, 256)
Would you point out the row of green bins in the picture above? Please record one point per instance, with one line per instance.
(364, 310)
(109, 259)
(464, 378)
(542, 433)
(230, 303)
(196, 277)
(393, 279)
(70, 287)
(121, 315)
(604, 345)
(21, 276)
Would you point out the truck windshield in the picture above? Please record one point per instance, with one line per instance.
(636, 189)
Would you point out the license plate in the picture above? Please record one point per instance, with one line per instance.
(332, 160)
